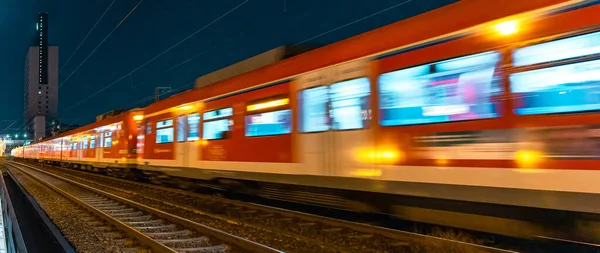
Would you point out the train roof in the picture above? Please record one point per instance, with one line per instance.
(107, 121)
(463, 14)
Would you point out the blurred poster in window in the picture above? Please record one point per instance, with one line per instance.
(561, 89)
(452, 90)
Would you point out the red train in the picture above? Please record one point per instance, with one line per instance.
(479, 103)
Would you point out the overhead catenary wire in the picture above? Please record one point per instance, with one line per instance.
(92, 52)
(85, 38)
(204, 52)
(354, 22)
(101, 42)
(167, 50)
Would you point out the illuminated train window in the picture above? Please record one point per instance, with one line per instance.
(217, 123)
(341, 106)
(193, 121)
(452, 90)
(181, 128)
(562, 86)
(560, 89)
(313, 109)
(107, 140)
(350, 104)
(164, 131)
(85, 142)
(562, 49)
(269, 123)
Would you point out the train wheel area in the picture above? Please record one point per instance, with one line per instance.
(501, 225)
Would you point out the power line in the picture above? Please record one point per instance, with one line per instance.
(85, 38)
(90, 54)
(355, 21)
(102, 42)
(205, 51)
(168, 49)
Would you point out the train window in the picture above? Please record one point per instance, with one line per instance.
(217, 123)
(108, 139)
(148, 127)
(92, 143)
(573, 47)
(217, 114)
(561, 89)
(108, 142)
(313, 110)
(181, 128)
(164, 123)
(193, 121)
(350, 104)
(453, 90)
(216, 129)
(269, 123)
(85, 142)
(164, 131)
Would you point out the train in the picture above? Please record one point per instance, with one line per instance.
(473, 111)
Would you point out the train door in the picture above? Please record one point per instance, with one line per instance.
(333, 119)
(181, 155)
(313, 121)
(351, 148)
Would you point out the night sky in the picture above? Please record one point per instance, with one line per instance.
(154, 27)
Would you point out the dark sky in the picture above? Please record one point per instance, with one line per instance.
(155, 26)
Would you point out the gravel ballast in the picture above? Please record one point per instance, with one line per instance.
(275, 230)
(71, 219)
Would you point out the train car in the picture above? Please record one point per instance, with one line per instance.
(491, 106)
(107, 145)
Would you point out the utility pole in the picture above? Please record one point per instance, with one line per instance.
(160, 90)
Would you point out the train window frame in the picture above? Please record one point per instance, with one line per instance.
(300, 111)
(502, 75)
(165, 125)
(291, 118)
(227, 118)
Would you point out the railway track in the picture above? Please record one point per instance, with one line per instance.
(139, 227)
(317, 233)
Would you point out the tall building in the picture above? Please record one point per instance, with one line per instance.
(41, 82)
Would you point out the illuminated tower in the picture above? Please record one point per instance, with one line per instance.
(41, 81)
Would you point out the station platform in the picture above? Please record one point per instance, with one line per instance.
(24, 226)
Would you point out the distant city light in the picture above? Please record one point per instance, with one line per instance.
(37, 26)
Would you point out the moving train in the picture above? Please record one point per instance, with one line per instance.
(474, 111)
